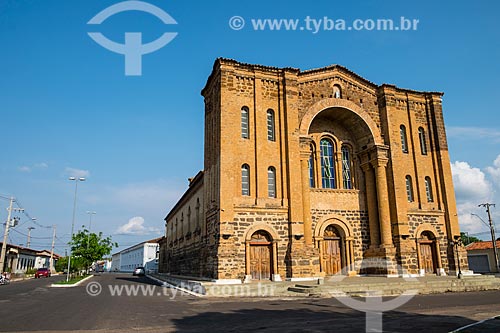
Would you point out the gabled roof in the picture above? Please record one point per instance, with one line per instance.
(482, 245)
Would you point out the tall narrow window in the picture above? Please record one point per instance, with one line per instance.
(327, 164)
(404, 142)
(337, 92)
(346, 168)
(197, 213)
(244, 123)
(271, 182)
(423, 143)
(409, 189)
(245, 179)
(270, 125)
(428, 189)
(312, 182)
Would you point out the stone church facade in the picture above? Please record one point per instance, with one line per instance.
(309, 173)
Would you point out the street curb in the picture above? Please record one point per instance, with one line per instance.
(166, 284)
(71, 285)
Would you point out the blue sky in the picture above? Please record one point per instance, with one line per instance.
(68, 109)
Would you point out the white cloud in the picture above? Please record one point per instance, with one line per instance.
(24, 168)
(494, 171)
(72, 172)
(135, 226)
(473, 187)
(473, 133)
(470, 183)
(41, 165)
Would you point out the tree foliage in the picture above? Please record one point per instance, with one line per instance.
(466, 240)
(87, 247)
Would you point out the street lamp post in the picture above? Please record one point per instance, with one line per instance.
(76, 180)
(90, 226)
(457, 241)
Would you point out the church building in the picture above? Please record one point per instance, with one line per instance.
(310, 173)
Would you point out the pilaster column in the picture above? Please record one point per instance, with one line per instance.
(380, 165)
(339, 177)
(275, 260)
(305, 152)
(371, 202)
(247, 258)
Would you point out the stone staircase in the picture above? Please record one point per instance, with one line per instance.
(366, 286)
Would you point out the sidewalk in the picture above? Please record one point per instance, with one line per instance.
(337, 286)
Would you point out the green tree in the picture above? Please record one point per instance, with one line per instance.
(88, 247)
(76, 264)
(466, 240)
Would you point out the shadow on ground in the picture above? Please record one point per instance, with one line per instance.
(139, 279)
(307, 320)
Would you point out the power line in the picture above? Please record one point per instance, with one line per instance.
(30, 236)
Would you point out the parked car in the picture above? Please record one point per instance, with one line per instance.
(42, 272)
(139, 271)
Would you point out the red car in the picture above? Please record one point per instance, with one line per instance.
(42, 272)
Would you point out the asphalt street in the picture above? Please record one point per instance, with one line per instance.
(123, 303)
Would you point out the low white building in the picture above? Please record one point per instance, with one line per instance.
(115, 262)
(143, 254)
(19, 259)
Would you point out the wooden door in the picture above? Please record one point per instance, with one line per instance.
(427, 258)
(332, 258)
(260, 262)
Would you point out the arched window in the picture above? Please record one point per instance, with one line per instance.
(346, 168)
(189, 219)
(337, 93)
(409, 189)
(271, 182)
(244, 123)
(245, 179)
(310, 163)
(423, 143)
(327, 164)
(428, 189)
(270, 125)
(404, 141)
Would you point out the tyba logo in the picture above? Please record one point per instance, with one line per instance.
(133, 49)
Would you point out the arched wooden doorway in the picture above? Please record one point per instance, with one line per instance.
(261, 256)
(331, 261)
(428, 255)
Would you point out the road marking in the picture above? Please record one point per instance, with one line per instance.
(473, 324)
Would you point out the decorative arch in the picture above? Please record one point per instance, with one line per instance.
(332, 103)
(256, 227)
(425, 227)
(336, 220)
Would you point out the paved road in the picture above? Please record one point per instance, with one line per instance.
(34, 306)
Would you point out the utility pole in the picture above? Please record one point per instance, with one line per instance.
(29, 237)
(51, 263)
(5, 235)
(492, 230)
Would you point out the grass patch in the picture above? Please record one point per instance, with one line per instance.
(73, 280)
